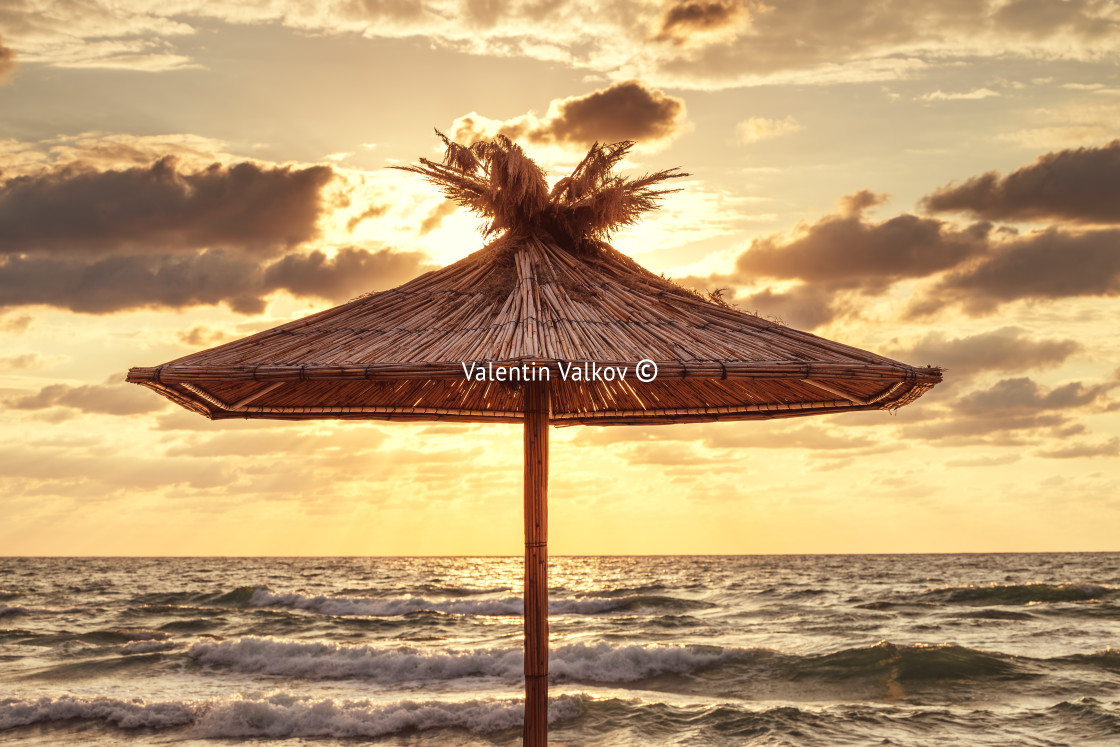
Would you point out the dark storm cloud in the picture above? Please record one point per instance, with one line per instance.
(1081, 186)
(623, 111)
(161, 208)
(1005, 349)
(845, 250)
(1051, 264)
(110, 284)
(7, 61)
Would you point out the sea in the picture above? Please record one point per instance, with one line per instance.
(975, 649)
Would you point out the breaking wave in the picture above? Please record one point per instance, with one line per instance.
(508, 606)
(280, 716)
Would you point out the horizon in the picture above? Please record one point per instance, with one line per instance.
(551, 555)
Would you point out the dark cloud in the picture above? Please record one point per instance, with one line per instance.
(1015, 404)
(7, 61)
(1049, 264)
(161, 208)
(1081, 185)
(113, 284)
(801, 307)
(1109, 448)
(1005, 349)
(119, 283)
(847, 251)
(115, 398)
(684, 20)
(349, 273)
(1023, 395)
(623, 111)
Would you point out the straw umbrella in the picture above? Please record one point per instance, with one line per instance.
(547, 324)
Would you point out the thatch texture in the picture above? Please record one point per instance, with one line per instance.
(399, 354)
(548, 294)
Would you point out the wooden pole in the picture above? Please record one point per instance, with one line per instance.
(536, 563)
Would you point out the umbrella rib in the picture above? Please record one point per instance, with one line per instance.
(839, 393)
(246, 400)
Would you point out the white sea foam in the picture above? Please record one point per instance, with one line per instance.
(265, 597)
(148, 647)
(577, 662)
(127, 714)
(323, 660)
(281, 715)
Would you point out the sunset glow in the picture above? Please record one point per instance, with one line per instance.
(939, 187)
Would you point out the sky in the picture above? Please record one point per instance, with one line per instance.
(938, 182)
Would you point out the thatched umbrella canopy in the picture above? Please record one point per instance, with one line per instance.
(546, 324)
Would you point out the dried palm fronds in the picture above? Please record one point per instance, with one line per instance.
(497, 181)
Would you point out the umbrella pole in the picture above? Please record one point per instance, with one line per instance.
(536, 563)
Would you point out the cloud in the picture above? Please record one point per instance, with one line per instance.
(204, 337)
(622, 111)
(434, 219)
(802, 437)
(7, 62)
(118, 283)
(1004, 349)
(804, 306)
(973, 95)
(349, 273)
(1080, 186)
(373, 211)
(1050, 264)
(114, 397)
(760, 128)
(15, 325)
(101, 286)
(697, 20)
(1015, 404)
(845, 250)
(161, 208)
(1109, 448)
(682, 43)
(1038, 19)
(26, 361)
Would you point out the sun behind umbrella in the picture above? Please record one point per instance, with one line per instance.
(546, 324)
